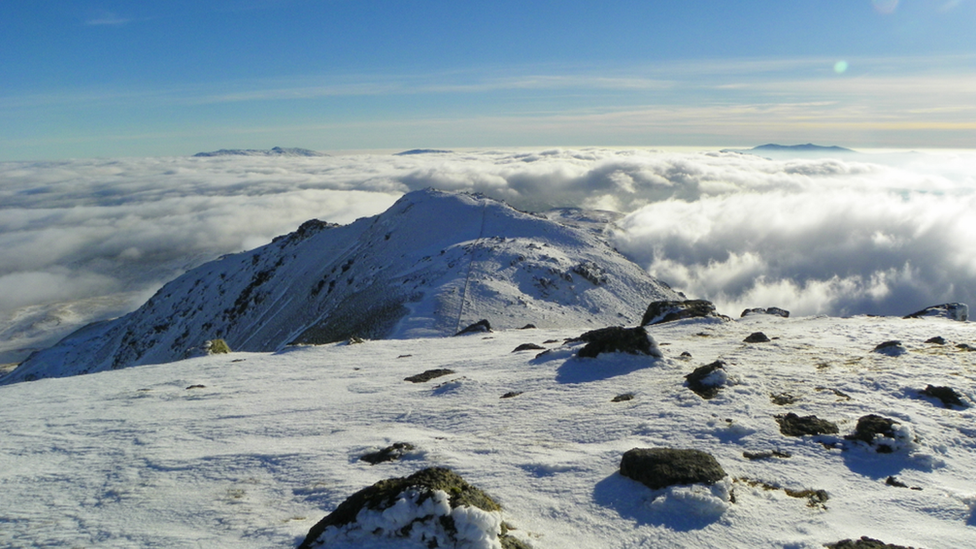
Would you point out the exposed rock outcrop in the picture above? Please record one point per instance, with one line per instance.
(776, 311)
(883, 435)
(947, 395)
(390, 453)
(428, 375)
(706, 381)
(793, 425)
(890, 348)
(756, 337)
(864, 543)
(617, 339)
(952, 311)
(668, 311)
(480, 327)
(659, 468)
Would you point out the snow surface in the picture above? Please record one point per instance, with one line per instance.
(146, 457)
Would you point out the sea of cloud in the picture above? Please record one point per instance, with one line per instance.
(859, 233)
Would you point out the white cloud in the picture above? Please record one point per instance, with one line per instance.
(879, 234)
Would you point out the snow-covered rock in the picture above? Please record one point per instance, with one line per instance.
(431, 508)
(659, 312)
(430, 265)
(953, 311)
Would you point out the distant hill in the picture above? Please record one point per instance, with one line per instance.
(422, 151)
(276, 151)
(805, 148)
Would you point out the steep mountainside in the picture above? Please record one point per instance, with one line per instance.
(430, 265)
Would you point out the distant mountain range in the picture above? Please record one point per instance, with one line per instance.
(276, 151)
(432, 264)
(422, 151)
(804, 148)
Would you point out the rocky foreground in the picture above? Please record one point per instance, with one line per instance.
(825, 431)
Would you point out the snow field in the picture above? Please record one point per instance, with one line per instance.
(270, 443)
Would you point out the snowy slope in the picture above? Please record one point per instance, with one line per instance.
(249, 450)
(432, 264)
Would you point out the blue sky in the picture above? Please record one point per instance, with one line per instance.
(126, 78)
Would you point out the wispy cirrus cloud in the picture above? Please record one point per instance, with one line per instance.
(109, 19)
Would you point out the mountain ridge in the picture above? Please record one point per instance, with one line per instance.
(430, 265)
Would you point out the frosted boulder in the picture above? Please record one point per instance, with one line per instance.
(434, 507)
(707, 380)
(793, 425)
(883, 435)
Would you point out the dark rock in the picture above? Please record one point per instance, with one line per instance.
(390, 453)
(782, 399)
(659, 312)
(591, 272)
(815, 498)
(429, 375)
(965, 347)
(947, 395)
(952, 311)
(766, 455)
(623, 398)
(776, 311)
(756, 337)
(196, 387)
(703, 382)
(418, 487)
(511, 394)
(793, 425)
(617, 339)
(480, 327)
(938, 340)
(869, 428)
(865, 543)
(892, 481)
(838, 393)
(528, 327)
(659, 468)
(890, 348)
(528, 347)
(685, 354)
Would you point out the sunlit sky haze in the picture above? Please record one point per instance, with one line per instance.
(173, 77)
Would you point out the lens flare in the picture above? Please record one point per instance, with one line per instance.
(840, 67)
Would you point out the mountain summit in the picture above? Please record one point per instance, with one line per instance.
(432, 264)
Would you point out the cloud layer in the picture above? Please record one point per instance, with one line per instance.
(882, 234)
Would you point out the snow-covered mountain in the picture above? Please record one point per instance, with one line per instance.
(432, 264)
